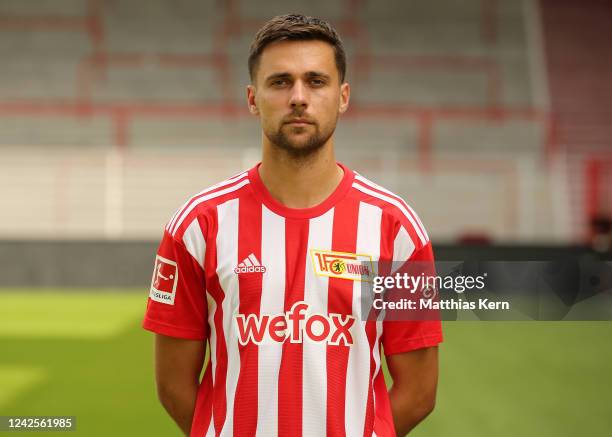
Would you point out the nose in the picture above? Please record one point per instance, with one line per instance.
(298, 95)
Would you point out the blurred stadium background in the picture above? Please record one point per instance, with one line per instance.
(493, 118)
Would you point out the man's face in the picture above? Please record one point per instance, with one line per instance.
(298, 95)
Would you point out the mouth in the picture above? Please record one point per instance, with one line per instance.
(299, 122)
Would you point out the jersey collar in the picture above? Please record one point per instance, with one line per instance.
(264, 196)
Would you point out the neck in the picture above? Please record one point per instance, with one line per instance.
(300, 182)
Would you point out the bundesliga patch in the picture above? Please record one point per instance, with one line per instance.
(165, 278)
(352, 266)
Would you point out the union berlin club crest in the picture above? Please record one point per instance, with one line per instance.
(345, 265)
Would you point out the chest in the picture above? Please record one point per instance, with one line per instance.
(270, 273)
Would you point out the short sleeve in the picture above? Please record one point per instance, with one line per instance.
(407, 335)
(177, 300)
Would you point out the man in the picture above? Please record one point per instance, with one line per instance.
(251, 260)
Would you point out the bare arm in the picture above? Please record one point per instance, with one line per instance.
(413, 394)
(178, 364)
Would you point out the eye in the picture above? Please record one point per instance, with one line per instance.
(278, 82)
(317, 82)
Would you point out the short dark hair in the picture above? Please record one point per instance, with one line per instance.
(296, 27)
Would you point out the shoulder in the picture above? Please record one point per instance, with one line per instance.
(205, 201)
(394, 207)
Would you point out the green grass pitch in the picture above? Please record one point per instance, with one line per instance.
(84, 354)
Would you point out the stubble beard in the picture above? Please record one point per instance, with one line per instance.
(299, 150)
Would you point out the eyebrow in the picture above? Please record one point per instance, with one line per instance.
(309, 74)
(317, 74)
(277, 76)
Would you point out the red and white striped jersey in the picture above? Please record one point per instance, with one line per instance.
(272, 291)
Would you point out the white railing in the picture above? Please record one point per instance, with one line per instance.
(108, 193)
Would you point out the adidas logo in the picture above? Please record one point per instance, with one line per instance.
(250, 265)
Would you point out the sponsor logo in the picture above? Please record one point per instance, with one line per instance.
(296, 325)
(165, 278)
(250, 265)
(352, 266)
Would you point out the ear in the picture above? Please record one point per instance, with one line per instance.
(251, 100)
(345, 95)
